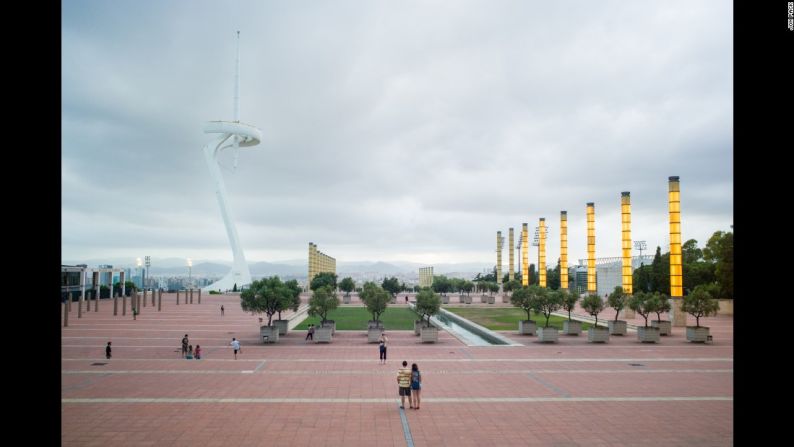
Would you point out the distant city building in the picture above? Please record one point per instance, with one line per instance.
(425, 276)
(608, 273)
(105, 278)
(319, 262)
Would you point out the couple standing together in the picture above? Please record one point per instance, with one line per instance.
(410, 383)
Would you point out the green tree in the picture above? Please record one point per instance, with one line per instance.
(553, 277)
(644, 303)
(660, 272)
(441, 284)
(391, 285)
(510, 286)
(427, 304)
(593, 304)
(466, 286)
(700, 303)
(375, 298)
(347, 285)
(545, 301)
(719, 250)
(104, 291)
(323, 279)
(664, 305)
(323, 300)
(235, 287)
(533, 276)
(268, 296)
(292, 301)
(569, 300)
(617, 300)
(641, 279)
(522, 299)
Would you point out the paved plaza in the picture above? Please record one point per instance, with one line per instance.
(294, 393)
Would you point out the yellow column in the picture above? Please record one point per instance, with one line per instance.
(563, 249)
(542, 253)
(510, 249)
(524, 255)
(499, 259)
(625, 222)
(591, 267)
(677, 316)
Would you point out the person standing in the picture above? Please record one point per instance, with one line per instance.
(382, 347)
(404, 384)
(416, 386)
(198, 352)
(107, 351)
(236, 345)
(310, 333)
(185, 343)
(221, 309)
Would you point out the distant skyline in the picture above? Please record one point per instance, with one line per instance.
(409, 131)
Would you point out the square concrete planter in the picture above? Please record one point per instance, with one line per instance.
(373, 335)
(491, 299)
(665, 327)
(429, 334)
(571, 327)
(598, 335)
(331, 324)
(268, 334)
(648, 334)
(527, 327)
(467, 299)
(444, 299)
(483, 299)
(418, 324)
(617, 327)
(696, 334)
(346, 299)
(322, 334)
(282, 326)
(505, 299)
(548, 334)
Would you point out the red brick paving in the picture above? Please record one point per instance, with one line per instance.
(147, 365)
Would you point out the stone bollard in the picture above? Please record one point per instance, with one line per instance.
(66, 311)
(199, 296)
(153, 290)
(159, 299)
(177, 297)
(70, 303)
(88, 304)
(96, 303)
(123, 305)
(115, 304)
(191, 296)
(144, 297)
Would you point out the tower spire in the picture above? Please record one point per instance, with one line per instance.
(237, 83)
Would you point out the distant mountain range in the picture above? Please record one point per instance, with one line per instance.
(292, 267)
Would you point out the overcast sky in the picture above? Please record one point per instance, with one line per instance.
(409, 130)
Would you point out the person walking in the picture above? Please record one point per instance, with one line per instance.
(404, 383)
(310, 333)
(107, 351)
(416, 386)
(198, 352)
(236, 345)
(189, 352)
(221, 309)
(185, 343)
(382, 347)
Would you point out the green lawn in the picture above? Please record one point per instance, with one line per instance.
(505, 319)
(356, 318)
